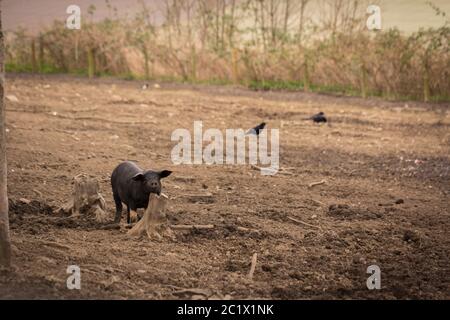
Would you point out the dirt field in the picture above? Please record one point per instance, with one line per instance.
(385, 200)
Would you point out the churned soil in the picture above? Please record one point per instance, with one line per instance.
(384, 197)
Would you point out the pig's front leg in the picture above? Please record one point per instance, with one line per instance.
(132, 215)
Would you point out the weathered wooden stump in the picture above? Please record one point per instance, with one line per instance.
(87, 200)
(154, 222)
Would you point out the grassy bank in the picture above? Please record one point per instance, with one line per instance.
(263, 47)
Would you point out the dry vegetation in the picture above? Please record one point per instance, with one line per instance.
(264, 44)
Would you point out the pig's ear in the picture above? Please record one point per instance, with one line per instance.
(164, 174)
(138, 177)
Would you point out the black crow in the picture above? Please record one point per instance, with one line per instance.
(257, 130)
(318, 118)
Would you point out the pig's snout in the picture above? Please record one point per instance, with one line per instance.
(154, 186)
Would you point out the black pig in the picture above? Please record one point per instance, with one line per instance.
(132, 186)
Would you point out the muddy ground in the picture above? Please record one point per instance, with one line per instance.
(385, 200)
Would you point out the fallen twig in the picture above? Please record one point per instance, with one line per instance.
(195, 198)
(55, 245)
(253, 266)
(303, 223)
(25, 200)
(156, 154)
(38, 192)
(86, 118)
(316, 183)
(274, 170)
(318, 202)
(191, 227)
(208, 194)
(203, 292)
(243, 229)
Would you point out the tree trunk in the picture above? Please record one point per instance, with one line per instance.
(217, 31)
(263, 25)
(232, 26)
(5, 243)
(303, 4)
(287, 14)
(273, 24)
(146, 62)
(154, 223)
(87, 200)
(222, 31)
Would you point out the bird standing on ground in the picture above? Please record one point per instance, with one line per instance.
(318, 118)
(257, 130)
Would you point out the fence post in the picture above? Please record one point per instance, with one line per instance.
(41, 54)
(33, 56)
(234, 65)
(306, 81)
(194, 63)
(146, 62)
(426, 84)
(91, 63)
(363, 82)
(76, 49)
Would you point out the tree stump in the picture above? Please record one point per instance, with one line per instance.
(87, 200)
(154, 222)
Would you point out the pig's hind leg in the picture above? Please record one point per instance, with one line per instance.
(119, 207)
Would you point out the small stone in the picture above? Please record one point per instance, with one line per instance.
(12, 98)
(46, 260)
